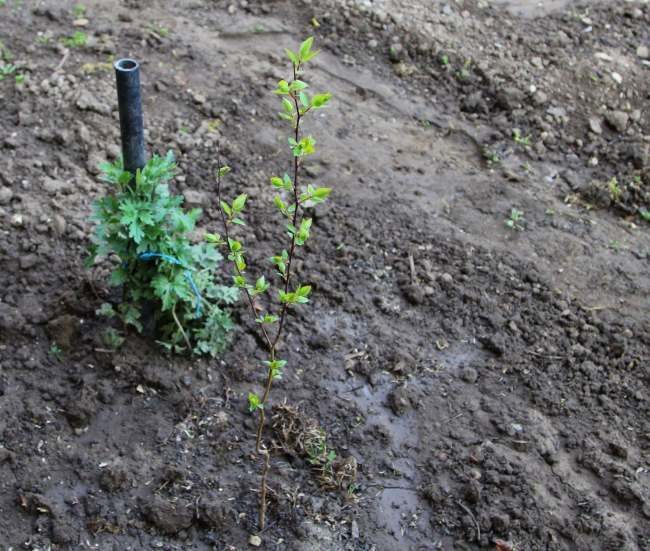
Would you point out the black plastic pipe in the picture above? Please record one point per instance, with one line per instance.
(129, 99)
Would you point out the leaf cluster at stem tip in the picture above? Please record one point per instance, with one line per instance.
(296, 101)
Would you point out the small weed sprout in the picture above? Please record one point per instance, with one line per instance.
(291, 199)
(43, 38)
(77, 40)
(516, 220)
(6, 70)
(79, 11)
(56, 352)
(519, 138)
(644, 213)
(614, 189)
(465, 71)
(491, 157)
(5, 53)
(112, 339)
(160, 30)
(615, 245)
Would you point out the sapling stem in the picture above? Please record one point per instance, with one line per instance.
(296, 104)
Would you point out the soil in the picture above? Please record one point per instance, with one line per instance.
(487, 386)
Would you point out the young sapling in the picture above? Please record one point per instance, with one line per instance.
(290, 201)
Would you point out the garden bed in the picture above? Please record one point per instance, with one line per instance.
(484, 386)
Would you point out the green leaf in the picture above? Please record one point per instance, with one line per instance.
(305, 48)
(223, 171)
(164, 290)
(239, 202)
(320, 100)
(275, 367)
(286, 298)
(277, 182)
(282, 207)
(254, 402)
(304, 100)
(302, 234)
(131, 315)
(261, 285)
(302, 294)
(106, 310)
(234, 245)
(297, 86)
(281, 262)
(306, 146)
(292, 56)
(239, 281)
(282, 89)
(287, 106)
(226, 208)
(645, 214)
(118, 277)
(267, 319)
(214, 238)
(307, 143)
(184, 222)
(240, 262)
(320, 194)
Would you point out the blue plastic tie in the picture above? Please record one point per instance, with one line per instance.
(187, 274)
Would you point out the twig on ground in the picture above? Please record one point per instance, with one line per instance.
(478, 528)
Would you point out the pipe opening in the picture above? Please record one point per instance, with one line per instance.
(126, 65)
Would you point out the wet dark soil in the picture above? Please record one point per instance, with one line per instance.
(488, 387)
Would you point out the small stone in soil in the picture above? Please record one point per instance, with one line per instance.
(469, 374)
(595, 126)
(194, 198)
(399, 401)
(473, 492)
(5, 195)
(617, 120)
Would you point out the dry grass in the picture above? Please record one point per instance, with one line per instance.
(302, 436)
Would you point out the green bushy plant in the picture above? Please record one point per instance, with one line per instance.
(271, 304)
(143, 225)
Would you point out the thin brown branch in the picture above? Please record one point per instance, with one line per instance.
(296, 166)
(265, 473)
(180, 327)
(224, 222)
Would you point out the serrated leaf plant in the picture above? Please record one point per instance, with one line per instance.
(272, 300)
(144, 227)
